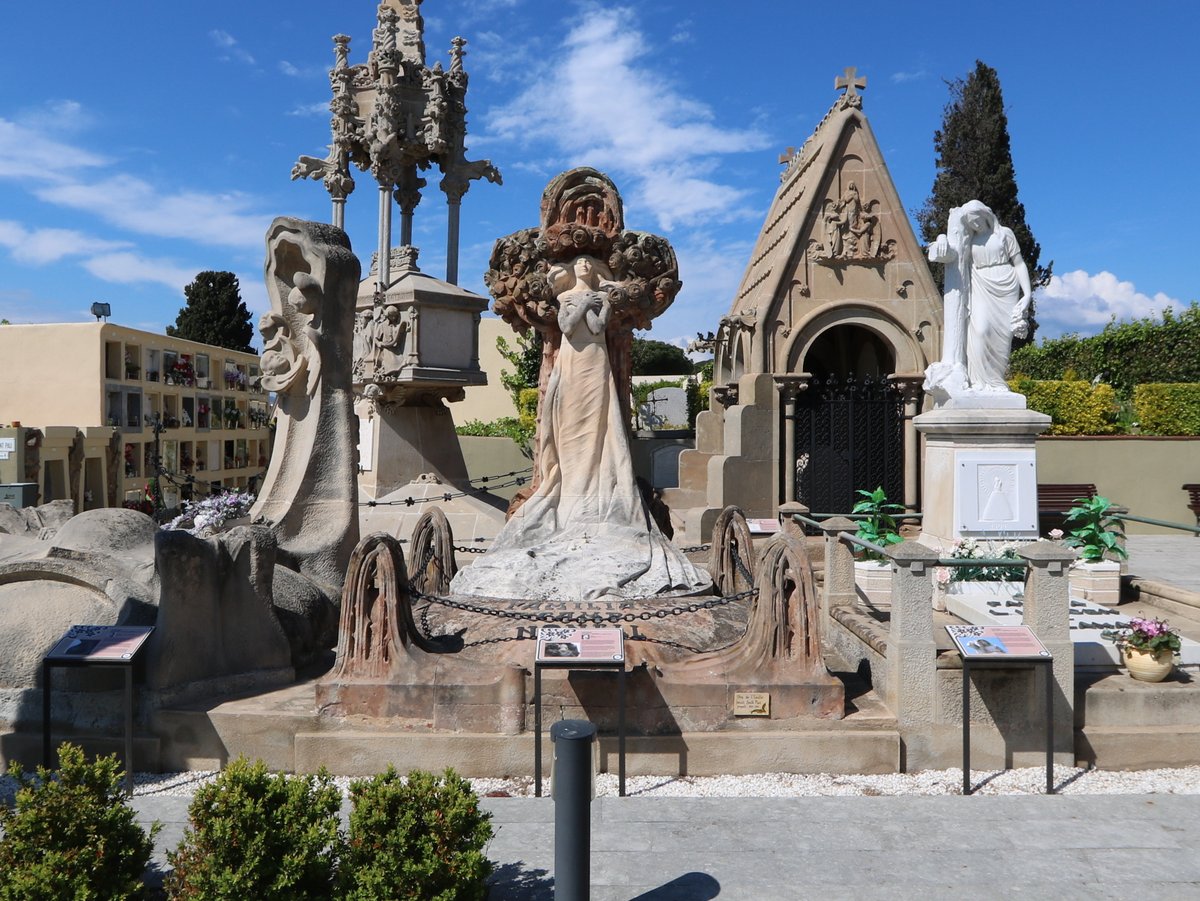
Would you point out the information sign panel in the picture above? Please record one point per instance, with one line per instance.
(557, 645)
(762, 526)
(997, 642)
(99, 644)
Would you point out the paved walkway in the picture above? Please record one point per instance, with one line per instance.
(783, 849)
(1166, 558)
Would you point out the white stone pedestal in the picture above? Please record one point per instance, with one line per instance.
(398, 443)
(980, 474)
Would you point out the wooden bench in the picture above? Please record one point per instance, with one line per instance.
(1055, 500)
(1193, 491)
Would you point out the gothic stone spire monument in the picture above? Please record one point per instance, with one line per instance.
(818, 363)
(415, 336)
(393, 115)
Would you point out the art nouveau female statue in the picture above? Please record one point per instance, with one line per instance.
(987, 297)
(584, 532)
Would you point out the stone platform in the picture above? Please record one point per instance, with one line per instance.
(285, 729)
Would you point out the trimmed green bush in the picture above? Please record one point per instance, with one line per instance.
(71, 835)
(1124, 354)
(256, 834)
(420, 838)
(1074, 407)
(1165, 408)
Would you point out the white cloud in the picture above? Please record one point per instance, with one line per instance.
(1080, 302)
(602, 100)
(27, 153)
(711, 272)
(901, 77)
(46, 245)
(310, 109)
(228, 43)
(129, 268)
(218, 219)
(293, 71)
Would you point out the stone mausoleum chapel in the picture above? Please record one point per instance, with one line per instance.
(379, 606)
(819, 363)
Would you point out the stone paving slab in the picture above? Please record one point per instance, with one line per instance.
(1174, 559)
(763, 849)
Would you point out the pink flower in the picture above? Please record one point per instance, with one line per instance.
(1056, 534)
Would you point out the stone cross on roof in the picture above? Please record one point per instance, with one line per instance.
(850, 80)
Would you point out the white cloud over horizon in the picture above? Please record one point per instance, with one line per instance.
(48, 245)
(27, 152)
(602, 99)
(221, 219)
(1083, 303)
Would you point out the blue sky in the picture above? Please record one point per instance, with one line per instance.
(143, 142)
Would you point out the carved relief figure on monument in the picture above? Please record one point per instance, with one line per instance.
(852, 231)
(987, 297)
(391, 332)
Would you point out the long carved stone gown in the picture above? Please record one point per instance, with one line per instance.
(995, 290)
(584, 532)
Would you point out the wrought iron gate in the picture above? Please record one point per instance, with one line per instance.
(848, 434)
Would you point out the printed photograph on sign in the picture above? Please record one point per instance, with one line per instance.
(556, 644)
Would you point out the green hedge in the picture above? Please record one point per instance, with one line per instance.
(1074, 407)
(1168, 408)
(1123, 355)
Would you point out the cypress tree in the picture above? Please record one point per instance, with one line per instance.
(215, 313)
(974, 162)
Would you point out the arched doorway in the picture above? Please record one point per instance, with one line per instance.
(846, 428)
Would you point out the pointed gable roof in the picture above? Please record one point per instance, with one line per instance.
(837, 175)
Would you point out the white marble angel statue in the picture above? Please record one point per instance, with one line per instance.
(585, 532)
(987, 297)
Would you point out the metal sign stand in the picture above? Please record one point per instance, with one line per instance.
(125, 643)
(576, 649)
(969, 664)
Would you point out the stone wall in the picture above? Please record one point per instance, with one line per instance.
(1141, 473)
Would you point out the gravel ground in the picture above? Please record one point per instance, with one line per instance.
(1068, 780)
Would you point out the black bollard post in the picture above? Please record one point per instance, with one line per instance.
(571, 788)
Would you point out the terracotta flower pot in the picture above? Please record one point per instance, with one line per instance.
(1149, 666)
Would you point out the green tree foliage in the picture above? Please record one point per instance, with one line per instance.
(651, 357)
(257, 834)
(215, 313)
(974, 162)
(526, 362)
(420, 837)
(71, 834)
(1124, 354)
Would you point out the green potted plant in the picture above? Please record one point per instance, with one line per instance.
(876, 524)
(1147, 647)
(1098, 535)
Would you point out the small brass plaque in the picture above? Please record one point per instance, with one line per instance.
(751, 703)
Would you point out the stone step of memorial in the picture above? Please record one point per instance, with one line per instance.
(1001, 604)
(1114, 701)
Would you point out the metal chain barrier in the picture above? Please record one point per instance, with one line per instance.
(583, 619)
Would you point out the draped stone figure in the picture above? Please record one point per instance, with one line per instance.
(987, 297)
(584, 532)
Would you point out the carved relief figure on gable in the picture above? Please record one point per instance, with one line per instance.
(851, 231)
